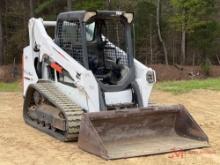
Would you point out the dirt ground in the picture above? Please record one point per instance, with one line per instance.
(10, 73)
(173, 73)
(21, 144)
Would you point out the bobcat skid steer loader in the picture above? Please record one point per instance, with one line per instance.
(86, 85)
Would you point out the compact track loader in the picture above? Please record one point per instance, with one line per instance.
(86, 85)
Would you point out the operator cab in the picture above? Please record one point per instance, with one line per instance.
(102, 42)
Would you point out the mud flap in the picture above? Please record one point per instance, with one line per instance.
(139, 132)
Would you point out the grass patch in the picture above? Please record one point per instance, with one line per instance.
(175, 87)
(179, 87)
(10, 87)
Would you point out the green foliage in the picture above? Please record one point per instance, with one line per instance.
(10, 87)
(124, 5)
(191, 13)
(145, 26)
(145, 19)
(43, 6)
(204, 36)
(179, 87)
(15, 31)
(89, 5)
(205, 39)
(205, 67)
(199, 18)
(195, 17)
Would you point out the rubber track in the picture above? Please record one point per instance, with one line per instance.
(71, 111)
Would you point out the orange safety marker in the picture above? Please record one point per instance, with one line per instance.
(57, 67)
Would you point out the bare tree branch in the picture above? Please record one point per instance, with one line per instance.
(31, 8)
(69, 5)
(159, 33)
(1, 38)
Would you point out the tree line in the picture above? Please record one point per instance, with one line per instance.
(184, 32)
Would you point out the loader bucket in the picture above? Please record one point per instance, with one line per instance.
(138, 132)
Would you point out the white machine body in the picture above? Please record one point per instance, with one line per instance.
(86, 90)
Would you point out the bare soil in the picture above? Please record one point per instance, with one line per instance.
(23, 145)
(9, 73)
(173, 73)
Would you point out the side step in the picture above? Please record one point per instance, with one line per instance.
(154, 130)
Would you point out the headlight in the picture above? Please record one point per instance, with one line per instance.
(150, 77)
